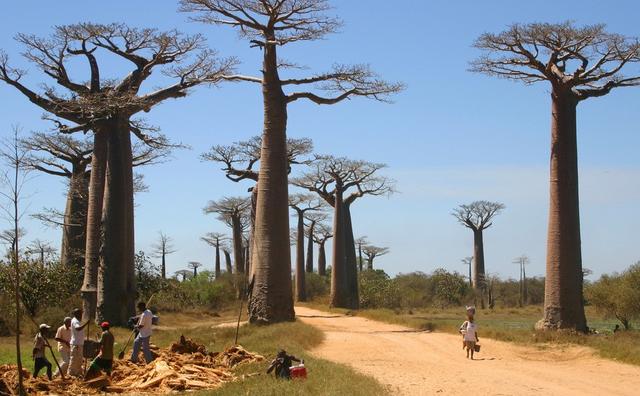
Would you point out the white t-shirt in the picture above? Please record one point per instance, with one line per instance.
(63, 333)
(469, 330)
(146, 320)
(77, 336)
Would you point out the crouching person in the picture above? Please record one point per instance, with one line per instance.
(282, 365)
(104, 360)
(39, 358)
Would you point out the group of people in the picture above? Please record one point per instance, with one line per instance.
(71, 336)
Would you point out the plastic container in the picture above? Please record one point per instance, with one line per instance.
(299, 371)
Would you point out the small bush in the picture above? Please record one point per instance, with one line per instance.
(317, 286)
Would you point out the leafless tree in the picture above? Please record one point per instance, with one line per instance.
(12, 182)
(371, 252)
(302, 204)
(195, 265)
(579, 63)
(185, 274)
(312, 218)
(268, 25)
(468, 262)
(216, 240)
(340, 182)
(234, 211)
(478, 216)
(522, 262)
(107, 107)
(42, 249)
(161, 249)
(322, 233)
(360, 242)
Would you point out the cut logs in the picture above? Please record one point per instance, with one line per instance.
(185, 365)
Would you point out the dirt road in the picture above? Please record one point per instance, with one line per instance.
(419, 363)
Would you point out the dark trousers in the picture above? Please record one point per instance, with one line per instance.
(40, 363)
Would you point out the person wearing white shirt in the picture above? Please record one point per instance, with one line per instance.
(77, 343)
(63, 336)
(144, 334)
(469, 331)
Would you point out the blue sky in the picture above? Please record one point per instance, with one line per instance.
(452, 137)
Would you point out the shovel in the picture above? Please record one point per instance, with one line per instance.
(121, 354)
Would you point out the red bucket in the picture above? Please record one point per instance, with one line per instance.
(298, 372)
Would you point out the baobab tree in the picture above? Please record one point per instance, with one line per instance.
(579, 63)
(468, 262)
(360, 242)
(268, 25)
(227, 258)
(322, 233)
(371, 252)
(340, 182)
(522, 262)
(215, 239)
(107, 107)
(302, 204)
(234, 211)
(185, 274)
(194, 265)
(161, 249)
(42, 249)
(478, 216)
(312, 218)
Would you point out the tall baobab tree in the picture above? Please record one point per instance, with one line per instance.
(579, 63)
(468, 262)
(478, 216)
(322, 233)
(360, 242)
(312, 219)
(194, 265)
(234, 211)
(371, 252)
(240, 160)
(215, 239)
(340, 182)
(12, 182)
(302, 204)
(161, 249)
(107, 107)
(268, 25)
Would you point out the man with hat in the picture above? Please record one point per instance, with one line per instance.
(77, 343)
(63, 336)
(39, 358)
(104, 360)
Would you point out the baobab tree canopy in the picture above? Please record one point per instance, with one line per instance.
(478, 215)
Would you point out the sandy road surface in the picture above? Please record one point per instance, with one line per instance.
(420, 363)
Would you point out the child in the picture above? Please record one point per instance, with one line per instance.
(104, 360)
(282, 363)
(39, 358)
(469, 331)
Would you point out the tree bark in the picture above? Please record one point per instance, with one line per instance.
(75, 218)
(479, 279)
(301, 290)
(217, 265)
(94, 220)
(352, 265)
(370, 263)
(322, 260)
(237, 244)
(164, 264)
(272, 299)
(360, 263)
(339, 275)
(227, 259)
(310, 248)
(116, 278)
(564, 306)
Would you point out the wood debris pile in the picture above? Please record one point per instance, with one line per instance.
(185, 365)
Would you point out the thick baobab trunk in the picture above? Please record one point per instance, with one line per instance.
(309, 267)
(227, 261)
(164, 265)
(116, 281)
(563, 300)
(322, 260)
(237, 244)
(75, 219)
(272, 299)
(352, 265)
(479, 281)
(370, 264)
(217, 262)
(301, 289)
(360, 263)
(339, 275)
(94, 220)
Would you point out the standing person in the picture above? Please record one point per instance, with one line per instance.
(144, 334)
(104, 360)
(63, 336)
(39, 358)
(469, 331)
(77, 343)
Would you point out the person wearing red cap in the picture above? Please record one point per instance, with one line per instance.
(104, 360)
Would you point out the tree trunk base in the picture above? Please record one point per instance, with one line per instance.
(555, 318)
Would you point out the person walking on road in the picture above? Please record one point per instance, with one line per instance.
(144, 325)
(469, 331)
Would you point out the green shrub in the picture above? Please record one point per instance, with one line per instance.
(617, 295)
(377, 290)
(317, 286)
